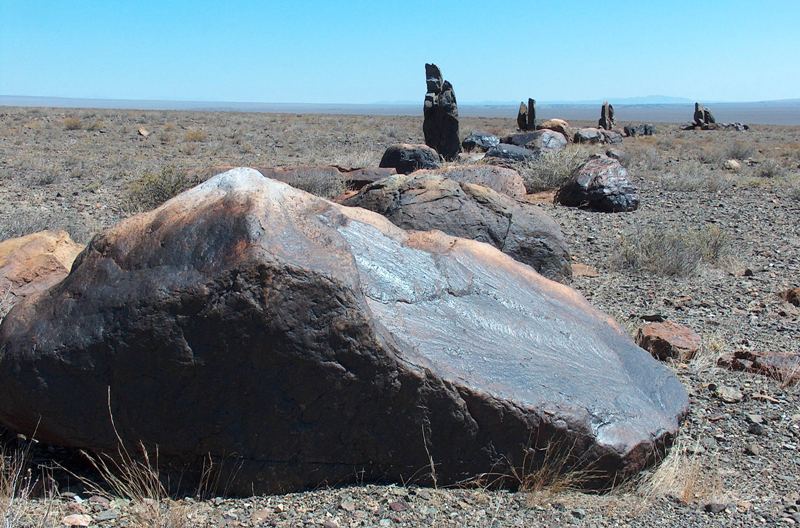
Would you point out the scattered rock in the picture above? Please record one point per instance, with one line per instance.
(668, 340)
(752, 449)
(618, 155)
(507, 152)
(477, 140)
(440, 125)
(143, 132)
(33, 263)
(792, 295)
(246, 294)
(558, 125)
(715, 507)
(423, 201)
(639, 130)
(588, 135)
(398, 506)
(729, 394)
(583, 270)
(547, 140)
(77, 519)
(502, 179)
(600, 184)
(606, 121)
(732, 165)
(406, 158)
(611, 137)
(782, 366)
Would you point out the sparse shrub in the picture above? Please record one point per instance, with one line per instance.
(739, 150)
(691, 176)
(321, 183)
(154, 188)
(95, 125)
(671, 251)
(196, 135)
(551, 170)
(769, 169)
(683, 475)
(794, 191)
(73, 123)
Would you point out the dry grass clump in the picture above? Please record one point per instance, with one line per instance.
(73, 123)
(739, 150)
(152, 189)
(320, 183)
(551, 170)
(693, 176)
(672, 252)
(683, 475)
(769, 169)
(794, 191)
(18, 488)
(195, 135)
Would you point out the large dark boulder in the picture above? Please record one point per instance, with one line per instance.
(405, 158)
(298, 343)
(601, 184)
(642, 129)
(477, 140)
(589, 135)
(506, 152)
(501, 179)
(425, 201)
(440, 111)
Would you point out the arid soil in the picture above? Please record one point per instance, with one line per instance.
(737, 461)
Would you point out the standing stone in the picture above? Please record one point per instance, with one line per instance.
(531, 114)
(699, 115)
(606, 116)
(522, 117)
(440, 125)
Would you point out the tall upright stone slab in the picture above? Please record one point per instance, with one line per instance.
(440, 124)
(531, 114)
(606, 121)
(522, 117)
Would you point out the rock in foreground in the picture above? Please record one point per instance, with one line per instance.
(601, 184)
(405, 158)
(313, 343)
(425, 201)
(33, 263)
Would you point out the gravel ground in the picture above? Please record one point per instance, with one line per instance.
(735, 464)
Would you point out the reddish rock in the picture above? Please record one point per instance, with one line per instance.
(559, 125)
(501, 179)
(33, 263)
(782, 366)
(668, 340)
(791, 296)
(584, 270)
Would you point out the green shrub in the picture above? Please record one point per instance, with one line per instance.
(551, 170)
(152, 189)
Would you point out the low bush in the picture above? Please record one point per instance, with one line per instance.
(152, 189)
(195, 135)
(73, 123)
(551, 170)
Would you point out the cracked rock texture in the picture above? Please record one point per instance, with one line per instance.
(310, 343)
(424, 200)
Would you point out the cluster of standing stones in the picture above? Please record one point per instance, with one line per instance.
(304, 342)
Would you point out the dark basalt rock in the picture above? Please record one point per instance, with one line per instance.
(606, 121)
(703, 116)
(611, 137)
(522, 117)
(425, 201)
(646, 129)
(405, 158)
(304, 343)
(589, 135)
(482, 141)
(507, 152)
(601, 184)
(544, 140)
(440, 124)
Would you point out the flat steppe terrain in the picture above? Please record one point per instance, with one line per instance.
(84, 170)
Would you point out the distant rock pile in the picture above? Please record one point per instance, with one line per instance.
(440, 124)
(703, 119)
(703, 116)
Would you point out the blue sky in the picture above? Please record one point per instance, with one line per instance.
(370, 51)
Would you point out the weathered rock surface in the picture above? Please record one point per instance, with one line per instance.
(440, 124)
(612, 137)
(405, 158)
(559, 125)
(522, 117)
(600, 183)
(668, 340)
(33, 263)
(313, 343)
(423, 201)
(477, 140)
(502, 179)
(606, 120)
(504, 151)
(703, 116)
(639, 130)
(544, 140)
(589, 135)
(782, 366)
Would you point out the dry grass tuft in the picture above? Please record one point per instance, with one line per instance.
(693, 176)
(18, 486)
(154, 188)
(683, 475)
(551, 170)
(195, 135)
(672, 252)
(320, 183)
(739, 150)
(73, 123)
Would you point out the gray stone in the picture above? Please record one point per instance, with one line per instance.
(600, 184)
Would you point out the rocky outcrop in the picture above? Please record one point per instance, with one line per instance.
(601, 184)
(544, 140)
(440, 124)
(477, 140)
(645, 129)
(423, 201)
(612, 137)
(668, 340)
(501, 179)
(589, 135)
(512, 153)
(405, 158)
(703, 116)
(559, 125)
(304, 343)
(606, 121)
(522, 117)
(33, 263)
